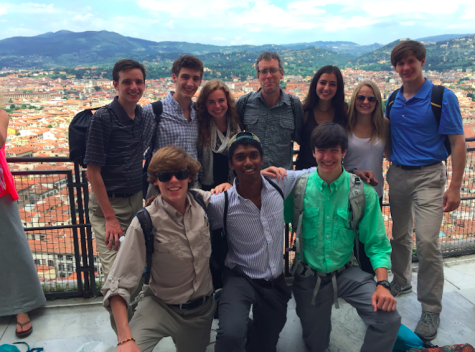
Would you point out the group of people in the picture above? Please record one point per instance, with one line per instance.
(239, 158)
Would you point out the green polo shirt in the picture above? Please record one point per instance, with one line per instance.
(328, 240)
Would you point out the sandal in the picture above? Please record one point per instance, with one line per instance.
(24, 333)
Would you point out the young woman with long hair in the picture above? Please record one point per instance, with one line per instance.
(368, 131)
(217, 122)
(325, 101)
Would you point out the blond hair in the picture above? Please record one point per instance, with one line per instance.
(380, 124)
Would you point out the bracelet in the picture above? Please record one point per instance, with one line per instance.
(121, 343)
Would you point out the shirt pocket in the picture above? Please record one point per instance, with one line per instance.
(344, 235)
(285, 129)
(250, 121)
(169, 247)
(310, 218)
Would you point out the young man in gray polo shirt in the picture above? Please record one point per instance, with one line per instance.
(114, 155)
(274, 116)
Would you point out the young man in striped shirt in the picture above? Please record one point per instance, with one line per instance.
(254, 265)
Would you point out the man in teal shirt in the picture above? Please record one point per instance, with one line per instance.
(327, 270)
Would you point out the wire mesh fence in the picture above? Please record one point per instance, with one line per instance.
(53, 209)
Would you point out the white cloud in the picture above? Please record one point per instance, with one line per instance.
(85, 17)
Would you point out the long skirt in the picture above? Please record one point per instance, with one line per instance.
(20, 288)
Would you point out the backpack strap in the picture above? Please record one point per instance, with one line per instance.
(436, 105)
(299, 194)
(243, 108)
(276, 186)
(390, 102)
(157, 107)
(357, 203)
(149, 233)
(436, 102)
(225, 213)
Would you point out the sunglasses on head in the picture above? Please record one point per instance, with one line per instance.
(362, 98)
(167, 176)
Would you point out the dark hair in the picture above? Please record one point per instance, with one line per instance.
(187, 61)
(270, 55)
(329, 135)
(244, 142)
(338, 101)
(124, 65)
(405, 48)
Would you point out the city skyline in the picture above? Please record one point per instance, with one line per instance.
(253, 22)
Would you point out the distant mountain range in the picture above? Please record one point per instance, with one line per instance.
(103, 48)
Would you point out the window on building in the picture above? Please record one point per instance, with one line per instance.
(50, 263)
(60, 257)
(37, 262)
(69, 257)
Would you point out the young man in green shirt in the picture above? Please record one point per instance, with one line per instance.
(326, 267)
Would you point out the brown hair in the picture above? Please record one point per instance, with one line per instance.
(405, 48)
(380, 124)
(170, 159)
(204, 118)
(188, 61)
(124, 65)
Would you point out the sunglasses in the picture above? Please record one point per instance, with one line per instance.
(362, 98)
(167, 176)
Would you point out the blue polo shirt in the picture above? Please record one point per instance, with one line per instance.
(416, 140)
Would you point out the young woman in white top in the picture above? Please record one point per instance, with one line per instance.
(368, 131)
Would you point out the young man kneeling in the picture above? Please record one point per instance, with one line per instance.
(325, 269)
(177, 302)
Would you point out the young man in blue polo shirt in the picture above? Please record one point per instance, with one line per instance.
(417, 180)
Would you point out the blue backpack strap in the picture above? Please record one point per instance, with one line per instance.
(149, 233)
(390, 102)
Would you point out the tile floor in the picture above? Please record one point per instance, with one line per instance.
(67, 325)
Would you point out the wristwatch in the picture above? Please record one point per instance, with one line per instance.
(384, 283)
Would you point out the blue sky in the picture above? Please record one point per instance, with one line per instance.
(231, 22)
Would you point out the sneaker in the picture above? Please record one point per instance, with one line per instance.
(397, 289)
(426, 329)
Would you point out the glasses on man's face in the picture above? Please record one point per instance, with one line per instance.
(167, 176)
(370, 98)
(265, 71)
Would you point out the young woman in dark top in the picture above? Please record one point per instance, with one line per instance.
(325, 101)
(217, 123)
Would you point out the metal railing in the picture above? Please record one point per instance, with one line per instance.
(54, 210)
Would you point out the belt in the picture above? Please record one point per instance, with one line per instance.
(307, 271)
(269, 283)
(408, 167)
(191, 304)
(119, 195)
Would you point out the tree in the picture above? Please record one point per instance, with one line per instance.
(97, 89)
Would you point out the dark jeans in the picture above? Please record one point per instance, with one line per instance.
(269, 304)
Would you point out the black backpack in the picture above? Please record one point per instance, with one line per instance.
(436, 105)
(157, 107)
(78, 134)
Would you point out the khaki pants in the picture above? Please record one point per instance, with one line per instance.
(189, 329)
(418, 194)
(125, 210)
